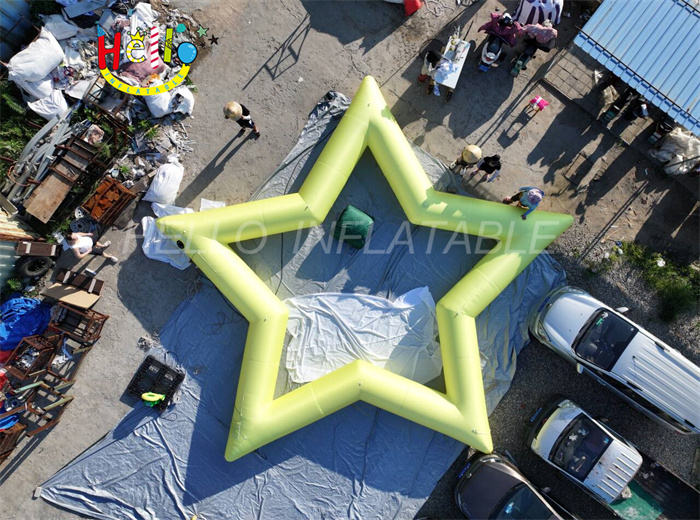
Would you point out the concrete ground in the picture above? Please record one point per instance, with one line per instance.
(279, 58)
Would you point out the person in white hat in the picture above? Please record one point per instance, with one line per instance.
(471, 154)
(528, 198)
(241, 115)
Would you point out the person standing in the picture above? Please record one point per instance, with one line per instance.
(82, 245)
(471, 155)
(241, 115)
(528, 198)
(490, 165)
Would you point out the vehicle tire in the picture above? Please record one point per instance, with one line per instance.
(508, 456)
(33, 266)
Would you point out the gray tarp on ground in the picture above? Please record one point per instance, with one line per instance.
(360, 462)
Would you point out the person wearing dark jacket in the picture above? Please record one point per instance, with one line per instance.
(490, 165)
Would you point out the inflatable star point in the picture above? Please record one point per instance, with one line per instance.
(460, 412)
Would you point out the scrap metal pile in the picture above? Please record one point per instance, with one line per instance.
(94, 130)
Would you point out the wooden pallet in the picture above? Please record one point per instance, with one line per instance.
(41, 408)
(62, 376)
(36, 249)
(63, 173)
(44, 201)
(89, 284)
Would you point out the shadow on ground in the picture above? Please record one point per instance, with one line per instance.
(287, 55)
(21, 453)
(211, 171)
(366, 22)
(149, 289)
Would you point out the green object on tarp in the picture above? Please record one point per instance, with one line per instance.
(152, 399)
(640, 506)
(353, 226)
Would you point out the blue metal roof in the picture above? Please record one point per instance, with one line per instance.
(654, 47)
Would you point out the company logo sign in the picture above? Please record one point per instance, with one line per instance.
(139, 50)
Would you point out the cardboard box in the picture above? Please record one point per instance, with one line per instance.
(71, 295)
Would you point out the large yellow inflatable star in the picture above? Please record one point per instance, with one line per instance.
(460, 412)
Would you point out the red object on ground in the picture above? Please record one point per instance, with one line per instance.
(4, 356)
(411, 6)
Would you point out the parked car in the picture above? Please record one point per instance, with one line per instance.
(491, 486)
(627, 482)
(640, 368)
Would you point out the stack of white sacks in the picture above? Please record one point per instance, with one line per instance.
(32, 70)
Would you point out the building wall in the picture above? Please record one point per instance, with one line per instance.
(11, 232)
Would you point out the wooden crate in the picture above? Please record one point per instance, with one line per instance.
(108, 201)
(45, 408)
(9, 439)
(63, 376)
(41, 406)
(31, 357)
(84, 326)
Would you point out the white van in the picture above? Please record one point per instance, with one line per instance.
(640, 368)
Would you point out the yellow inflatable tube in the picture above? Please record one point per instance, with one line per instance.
(460, 412)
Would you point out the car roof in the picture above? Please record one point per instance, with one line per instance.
(615, 469)
(617, 465)
(489, 483)
(662, 375)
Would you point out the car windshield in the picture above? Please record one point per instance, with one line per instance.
(580, 447)
(604, 338)
(521, 504)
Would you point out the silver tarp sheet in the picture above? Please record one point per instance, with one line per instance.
(360, 462)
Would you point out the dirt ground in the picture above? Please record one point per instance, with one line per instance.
(279, 58)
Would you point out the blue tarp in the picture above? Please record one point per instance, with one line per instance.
(360, 462)
(21, 317)
(10, 420)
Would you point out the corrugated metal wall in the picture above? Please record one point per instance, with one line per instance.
(7, 261)
(11, 231)
(14, 32)
(11, 11)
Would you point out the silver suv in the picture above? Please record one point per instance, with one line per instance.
(640, 368)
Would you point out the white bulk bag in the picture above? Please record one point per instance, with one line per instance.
(50, 106)
(36, 61)
(166, 183)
